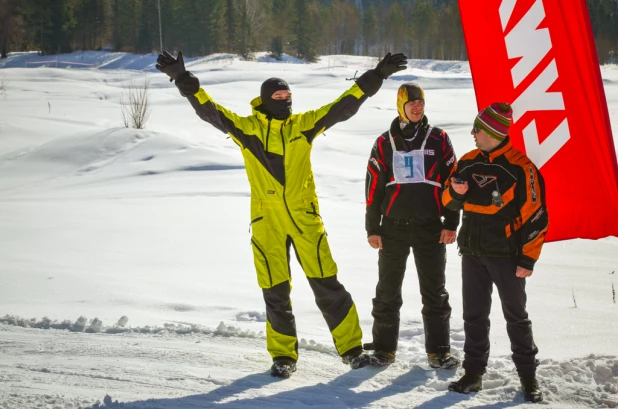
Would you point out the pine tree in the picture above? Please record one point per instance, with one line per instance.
(11, 23)
(53, 23)
(449, 35)
(251, 20)
(148, 26)
(369, 29)
(215, 27)
(394, 29)
(89, 29)
(302, 29)
(423, 25)
(278, 33)
(124, 24)
(230, 26)
(343, 27)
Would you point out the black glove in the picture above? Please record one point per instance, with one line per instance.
(390, 64)
(186, 82)
(172, 67)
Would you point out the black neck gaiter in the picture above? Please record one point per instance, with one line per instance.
(411, 129)
(277, 109)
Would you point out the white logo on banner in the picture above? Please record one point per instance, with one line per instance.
(532, 45)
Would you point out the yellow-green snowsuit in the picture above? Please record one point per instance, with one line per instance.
(285, 211)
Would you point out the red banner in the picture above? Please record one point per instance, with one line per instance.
(540, 56)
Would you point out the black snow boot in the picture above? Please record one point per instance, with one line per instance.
(283, 367)
(382, 358)
(355, 358)
(532, 392)
(443, 360)
(468, 383)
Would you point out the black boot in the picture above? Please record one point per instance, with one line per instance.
(532, 392)
(468, 383)
(382, 358)
(355, 358)
(283, 367)
(442, 360)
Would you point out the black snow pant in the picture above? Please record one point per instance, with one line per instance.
(478, 276)
(430, 260)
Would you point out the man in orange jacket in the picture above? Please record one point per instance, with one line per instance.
(504, 223)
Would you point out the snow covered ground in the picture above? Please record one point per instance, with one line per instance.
(126, 273)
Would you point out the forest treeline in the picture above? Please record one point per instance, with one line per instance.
(428, 29)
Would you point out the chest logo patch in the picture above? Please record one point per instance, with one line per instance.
(375, 163)
(483, 180)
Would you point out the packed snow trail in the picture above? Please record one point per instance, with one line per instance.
(174, 368)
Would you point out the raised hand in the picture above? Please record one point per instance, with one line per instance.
(390, 64)
(172, 67)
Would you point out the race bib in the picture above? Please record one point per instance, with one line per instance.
(409, 167)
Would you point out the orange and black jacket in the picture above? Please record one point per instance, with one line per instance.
(412, 202)
(504, 210)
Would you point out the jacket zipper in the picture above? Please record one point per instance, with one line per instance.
(270, 277)
(319, 260)
(253, 221)
(284, 184)
(267, 135)
(314, 212)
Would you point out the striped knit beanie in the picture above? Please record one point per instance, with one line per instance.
(495, 120)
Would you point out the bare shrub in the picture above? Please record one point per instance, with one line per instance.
(134, 105)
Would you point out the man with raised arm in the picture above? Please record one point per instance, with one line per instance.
(276, 146)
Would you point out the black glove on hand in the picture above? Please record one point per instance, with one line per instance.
(186, 82)
(390, 64)
(172, 67)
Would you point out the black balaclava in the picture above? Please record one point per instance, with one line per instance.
(278, 109)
